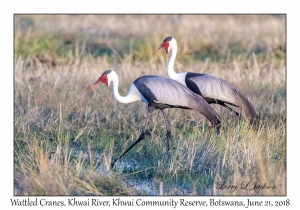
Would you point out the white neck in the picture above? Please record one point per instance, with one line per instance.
(133, 94)
(170, 69)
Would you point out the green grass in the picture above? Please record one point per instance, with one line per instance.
(70, 136)
(33, 35)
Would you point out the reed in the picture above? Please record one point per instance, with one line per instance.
(65, 137)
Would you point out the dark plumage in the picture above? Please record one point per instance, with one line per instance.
(160, 93)
(163, 93)
(212, 89)
(216, 90)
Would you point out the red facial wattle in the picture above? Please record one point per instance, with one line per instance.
(103, 79)
(166, 46)
(163, 45)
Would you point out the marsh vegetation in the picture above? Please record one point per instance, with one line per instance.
(65, 137)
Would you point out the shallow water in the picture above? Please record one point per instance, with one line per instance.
(146, 186)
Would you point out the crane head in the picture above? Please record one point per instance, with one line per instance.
(104, 79)
(165, 44)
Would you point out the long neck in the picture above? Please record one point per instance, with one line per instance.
(170, 69)
(130, 97)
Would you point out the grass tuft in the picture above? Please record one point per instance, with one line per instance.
(70, 136)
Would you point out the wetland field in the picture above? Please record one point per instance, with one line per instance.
(65, 137)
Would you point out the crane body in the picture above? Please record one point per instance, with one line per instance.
(212, 89)
(159, 93)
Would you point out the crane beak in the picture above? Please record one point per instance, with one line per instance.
(103, 79)
(163, 45)
(157, 50)
(93, 85)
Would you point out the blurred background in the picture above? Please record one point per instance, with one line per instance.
(221, 38)
(69, 136)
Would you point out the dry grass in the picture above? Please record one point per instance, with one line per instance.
(65, 134)
(48, 172)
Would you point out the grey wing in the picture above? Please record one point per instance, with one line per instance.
(171, 92)
(168, 91)
(216, 90)
(213, 88)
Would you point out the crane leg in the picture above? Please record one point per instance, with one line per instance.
(236, 113)
(141, 137)
(168, 135)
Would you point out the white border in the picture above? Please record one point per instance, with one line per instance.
(153, 6)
